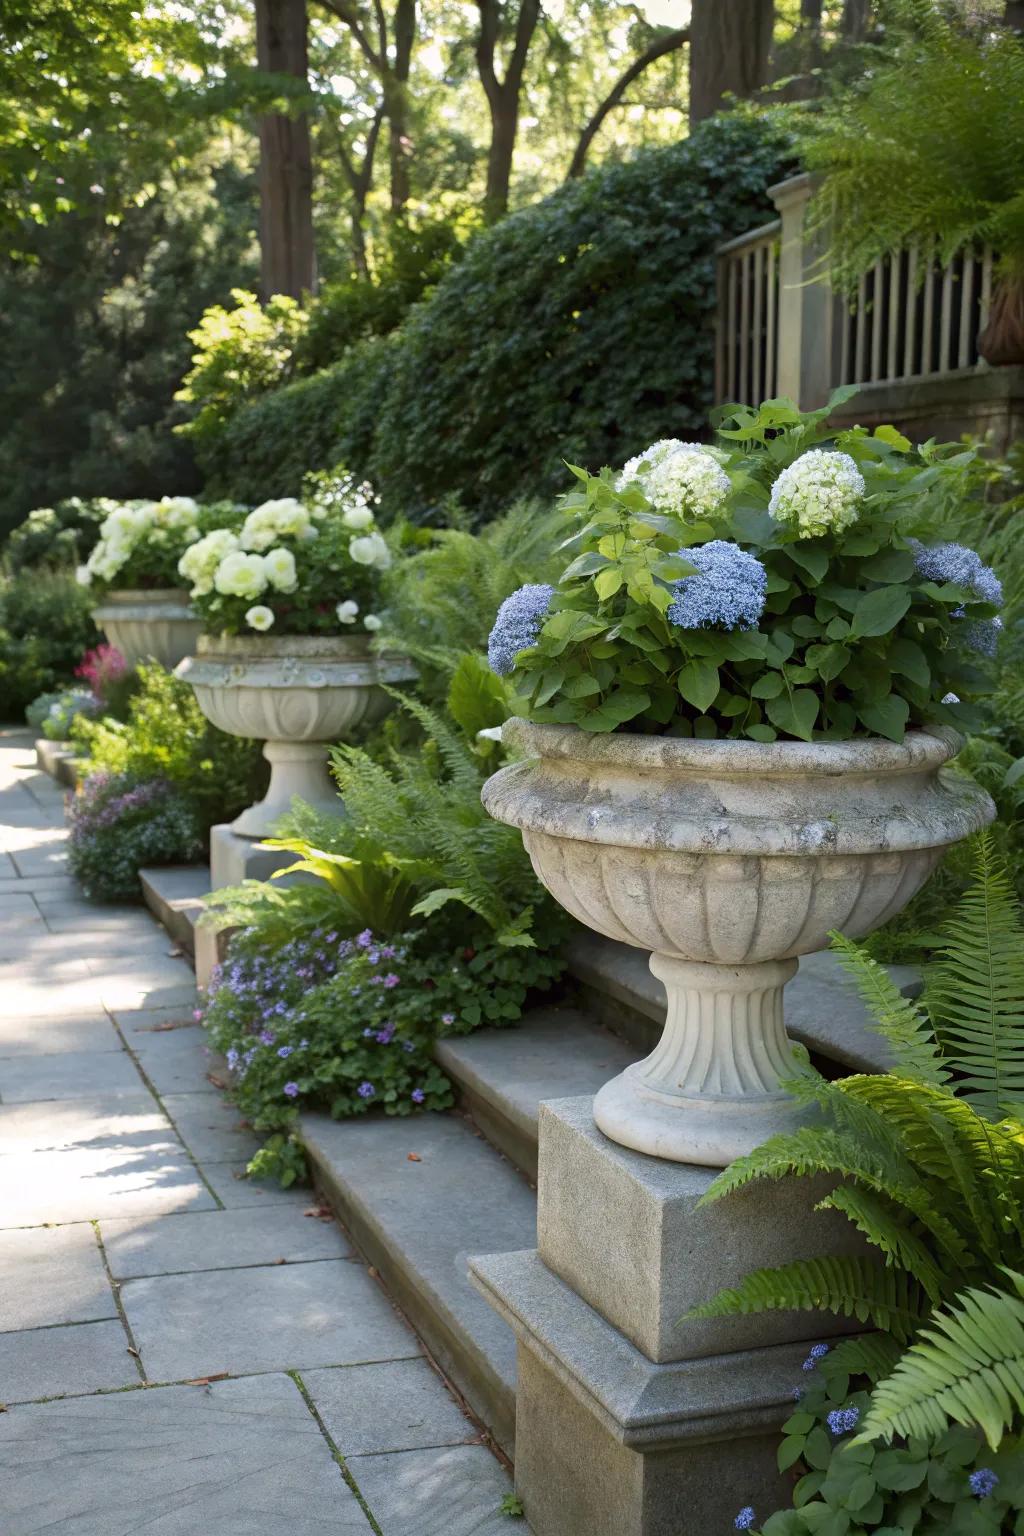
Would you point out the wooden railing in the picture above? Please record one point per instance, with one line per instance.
(780, 328)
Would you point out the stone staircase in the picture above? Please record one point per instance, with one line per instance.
(421, 1196)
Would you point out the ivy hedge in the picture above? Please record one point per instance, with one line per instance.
(578, 328)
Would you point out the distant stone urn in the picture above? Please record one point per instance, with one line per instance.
(158, 625)
(296, 694)
(727, 859)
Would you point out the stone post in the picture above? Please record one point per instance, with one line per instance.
(806, 301)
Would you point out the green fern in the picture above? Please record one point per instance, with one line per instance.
(850, 1287)
(975, 991)
(902, 1023)
(967, 1366)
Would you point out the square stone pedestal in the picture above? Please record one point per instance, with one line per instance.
(629, 1420)
(234, 858)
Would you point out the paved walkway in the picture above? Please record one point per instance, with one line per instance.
(181, 1352)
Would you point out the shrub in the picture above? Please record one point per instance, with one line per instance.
(267, 449)
(578, 327)
(119, 825)
(167, 737)
(240, 353)
(45, 625)
(62, 535)
(53, 714)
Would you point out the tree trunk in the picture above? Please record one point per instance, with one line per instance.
(1013, 15)
(1002, 341)
(854, 22)
(502, 95)
(286, 163)
(730, 46)
(667, 43)
(396, 95)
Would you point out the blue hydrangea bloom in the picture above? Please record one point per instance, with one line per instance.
(727, 591)
(962, 566)
(517, 625)
(841, 1421)
(983, 1482)
(745, 1519)
(981, 635)
(366, 1090)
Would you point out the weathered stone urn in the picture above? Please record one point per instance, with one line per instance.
(296, 694)
(157, 625)
(728, 860)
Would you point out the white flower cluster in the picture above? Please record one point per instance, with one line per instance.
(818, 493)
(252, 562)
(681, 478)
(167, 523)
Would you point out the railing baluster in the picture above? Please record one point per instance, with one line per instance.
(732, 327)
(876, 322)
(986, 288)
(770, 348)
(895, 276)
(860, 336)
(910, 330)
(745, 328)
(945, 317)
(928, 321)
(963, 357)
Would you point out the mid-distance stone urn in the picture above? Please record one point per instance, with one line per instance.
(296, 694)
(157, 625)
(728, 860)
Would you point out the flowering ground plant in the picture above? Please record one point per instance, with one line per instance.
(763, 587)
(119, 825)
(952, 1483)
(140, 544)
(52, 714)
(292, 567)
(345, 1024)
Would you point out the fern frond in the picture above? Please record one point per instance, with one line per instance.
(887, 1231)
(849, 1287)
(975, 992)
(967, 1366)
(900, 1021)
(873, 1355)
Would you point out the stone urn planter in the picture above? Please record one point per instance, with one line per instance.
(297, 694)
(157, 625)
(728, 860)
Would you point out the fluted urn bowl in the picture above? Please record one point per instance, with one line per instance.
(728, 860)
(158, 625)
(295, 694)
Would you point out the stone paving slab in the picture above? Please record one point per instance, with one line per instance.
(27, 1079)
(236, 1458)
(52, 1275)
(269, 1319)
(451, 1492)
(210, 1126)
(52, 1362)
(167, 1245)
(178, 1061)
(87, 1185)
(101, 1123)
(402, 1405)
(235, 1190)
(43, 1036)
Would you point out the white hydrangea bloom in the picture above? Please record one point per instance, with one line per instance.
(241, 575)
(131, 525)
(372, 622)
(682, 478)
(347, 611)
(279, 565)
(83, 575)
(274, 520)
(818, 493)
(371, 549)
(200, 561)
(177, 511)
(357, 518)
(259, 617)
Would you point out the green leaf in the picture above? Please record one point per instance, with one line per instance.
(794, 713)
(878, 612)
(584, 565)
(790, 1451)
(827, 660)
(607, 582)
(698, 683)
(810, 559)
(477, 699)
(889, 565)
(906, 658)
(886, 717)
(767, 687)
(895, 438)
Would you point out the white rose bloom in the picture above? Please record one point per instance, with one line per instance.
(687, 481)
(372, 622)
(83, 575)
(818, 493)
(279, 565)
(347, 612)
(259, 617)
(282, 519)
(371, 549)
(200, 560)
(357, 518)
(241, 575)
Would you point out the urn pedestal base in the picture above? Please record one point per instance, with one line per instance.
(710, 1090)
(234, 858)
(629, 1421)
(298, 770)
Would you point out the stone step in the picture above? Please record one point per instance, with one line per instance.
(503, 1074)
(174, 894)
(57, 758)
(823, 1010)
(419, 1198)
